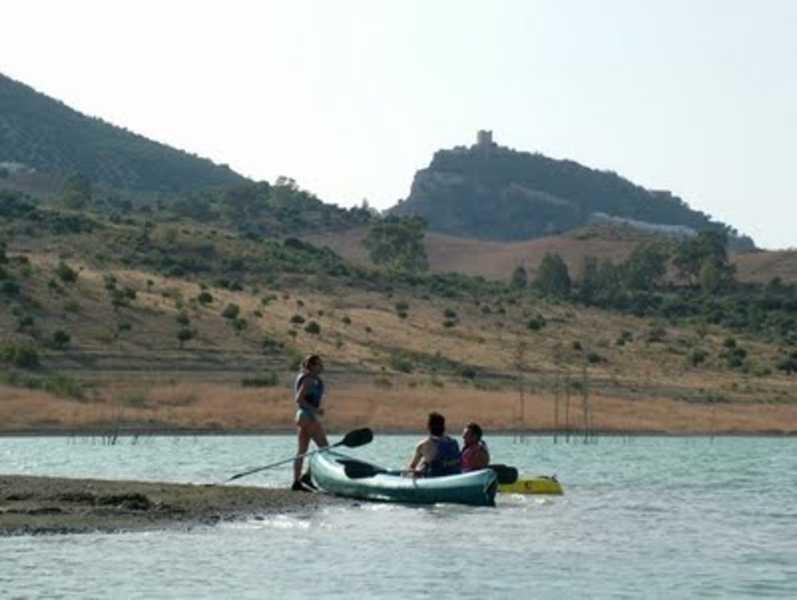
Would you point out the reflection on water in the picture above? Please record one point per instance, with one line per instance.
(646, 517)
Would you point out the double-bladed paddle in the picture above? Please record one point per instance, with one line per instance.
(356, 469)
(353, 439)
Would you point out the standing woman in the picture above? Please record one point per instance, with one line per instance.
(309, 391)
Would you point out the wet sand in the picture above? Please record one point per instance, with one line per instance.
(55, 505)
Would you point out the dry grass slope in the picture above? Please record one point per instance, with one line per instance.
(385, 371)
(497, 260)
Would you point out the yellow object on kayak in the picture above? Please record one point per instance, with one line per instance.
(532, 484)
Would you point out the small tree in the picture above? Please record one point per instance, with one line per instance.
(646, 266)
(520, 279)
(707, 248)
(553, 277)
(397, 244)
(183, 335)
(77, 191)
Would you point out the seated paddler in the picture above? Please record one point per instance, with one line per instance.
(437, 454)
(475, 454)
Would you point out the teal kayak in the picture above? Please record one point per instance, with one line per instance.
(328, 473)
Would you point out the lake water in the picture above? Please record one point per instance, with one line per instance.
(640, 518)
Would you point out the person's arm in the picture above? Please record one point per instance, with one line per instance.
(482, 458)
(417, 457)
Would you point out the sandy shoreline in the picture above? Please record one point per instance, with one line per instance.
(56, 505)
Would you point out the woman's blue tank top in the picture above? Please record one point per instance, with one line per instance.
(316, 391)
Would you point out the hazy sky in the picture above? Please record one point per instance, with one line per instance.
(352, 97)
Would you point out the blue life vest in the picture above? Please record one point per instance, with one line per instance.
(314, 394)
(446, 460)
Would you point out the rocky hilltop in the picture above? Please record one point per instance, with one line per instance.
(487, 191)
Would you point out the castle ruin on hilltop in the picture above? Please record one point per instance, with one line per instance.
(484, 138)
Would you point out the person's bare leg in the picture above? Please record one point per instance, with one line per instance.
(304, 444)
(318, 434)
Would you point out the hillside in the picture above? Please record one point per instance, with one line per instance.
(490, 192)
(41, 133)
(497, 260)
(98, 329)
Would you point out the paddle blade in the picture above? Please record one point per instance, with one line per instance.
(358, 437)
(355, 469)
(504, 473)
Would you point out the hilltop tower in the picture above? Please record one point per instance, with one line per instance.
(484, 138)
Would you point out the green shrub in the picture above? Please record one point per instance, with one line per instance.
(383, 382)
(624, 338)
(346, 320)
(536, 323)
(205, 298)
(297, 319)
(468, 373)
(10, 288)
(61, 339)
(313, 328)
(65, 273)
(72, 307)
(23, 356)
(594, 358)
(402, 307)
(183, 335)
(231, 311)
(401, 363)
(761, 371)
(239, 324)
(63, 386)
(401, 314)
(182, 319)
(656, 334)
(449, 323)
(734, 355)
(118, 298)
(269, 345)
(450, 313)
(295, 358)
(697, 357)
(268, 379)
(787, 364)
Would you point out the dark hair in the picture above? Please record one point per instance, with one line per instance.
(436, 423)
(310, 360)
(475, 430)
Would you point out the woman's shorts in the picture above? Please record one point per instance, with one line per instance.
(306, 414)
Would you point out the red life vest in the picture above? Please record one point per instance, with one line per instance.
(469, 454)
